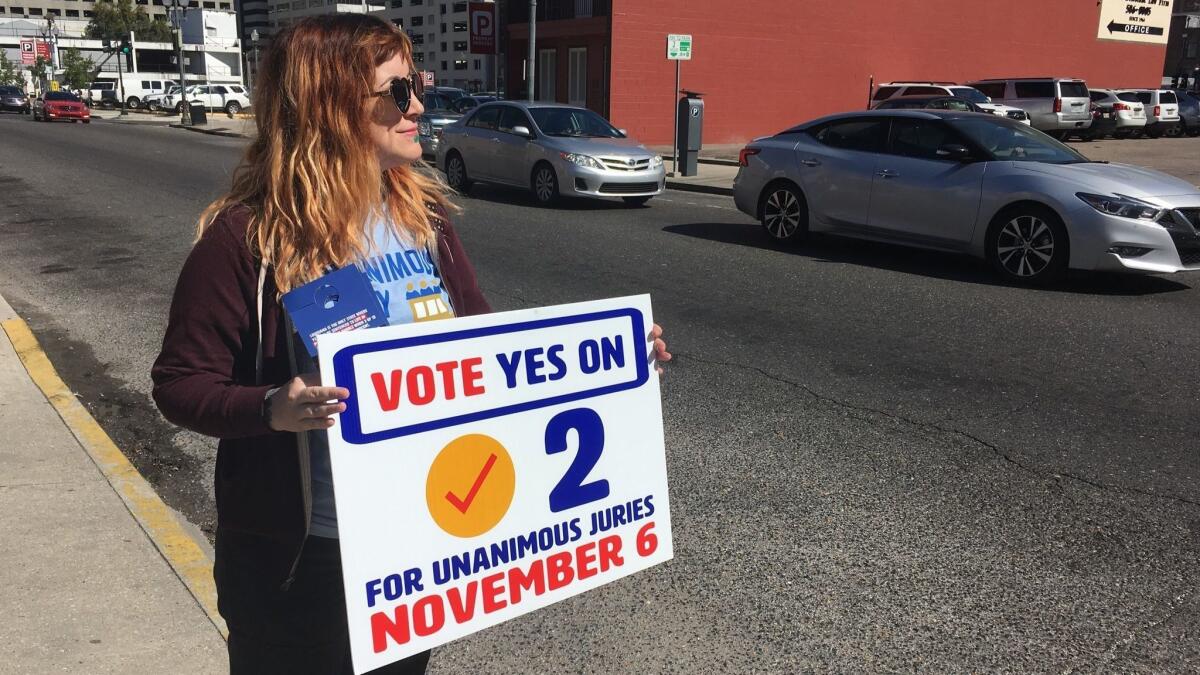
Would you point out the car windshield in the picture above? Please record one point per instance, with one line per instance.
(970, 93)
(573, 122)
(1015, 142)
(61, 96)
(10, 91)
(1129, 96)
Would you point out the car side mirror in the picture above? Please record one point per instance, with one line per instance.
(523, 132)
(954, 151)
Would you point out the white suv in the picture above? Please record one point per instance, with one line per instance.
(894, 89)
(1162, 109)
(232, 98)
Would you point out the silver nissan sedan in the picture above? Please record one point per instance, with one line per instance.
(972, 183)
(553, 150)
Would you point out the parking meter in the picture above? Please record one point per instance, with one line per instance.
(690, 115)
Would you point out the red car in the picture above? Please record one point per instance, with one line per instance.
(60, 105)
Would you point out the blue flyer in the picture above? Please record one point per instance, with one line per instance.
(342, 300)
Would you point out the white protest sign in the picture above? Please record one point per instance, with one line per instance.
(490, 466)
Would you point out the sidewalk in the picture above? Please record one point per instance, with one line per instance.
(715, 169)
(85, 589)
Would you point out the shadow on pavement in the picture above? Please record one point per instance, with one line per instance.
(934, 264)
(518, 197)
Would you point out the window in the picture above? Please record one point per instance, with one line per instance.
(992, 90)
(414, 3)
(459, 7)
(443, 46)
(1190, 49)
(925, 91)
(444, 66)
(1073, 89)
(547, 78)
(71, 13)
(576, 76)
(145, 84)
(418, 57)
(1145, 97)
(863, 135)
(418, 21)
(443, 28)
(4, 10)
(88, 15)
(399, 23)
(475, 64)
(460, 26)
(220, 90)
(486, 118)
(460, 64)
(237, 90)
(1129, 96)
(443, 8)
(511, 117)
(460, 46)
(18, 10)
(35, 11)
(1034, 89)
(884, 93)
(225, 6)
(1097, 95)
(211, 5)
(1167, 97)
(55, 12)
(397, 4)
(417, 39)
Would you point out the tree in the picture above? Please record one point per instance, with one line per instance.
(77, 70)
(8, 71)
(115, 19)
(39, 69)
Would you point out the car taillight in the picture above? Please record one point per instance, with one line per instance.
(1158, 111)
(745, 155)
(1120, 106)
(1058, 105)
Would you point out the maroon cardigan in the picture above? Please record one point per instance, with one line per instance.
(204, 378)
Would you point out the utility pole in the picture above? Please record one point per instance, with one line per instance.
(532, 49)
(121, 72)
(178, 9)
(254, 71)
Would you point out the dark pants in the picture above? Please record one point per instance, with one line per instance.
(300, 630)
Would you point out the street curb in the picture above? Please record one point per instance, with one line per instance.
(185, 556)
(708, 160)
(693, 187)
(210, 132)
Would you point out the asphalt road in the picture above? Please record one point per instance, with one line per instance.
(880, 459)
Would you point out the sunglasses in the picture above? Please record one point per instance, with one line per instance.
(403, 91)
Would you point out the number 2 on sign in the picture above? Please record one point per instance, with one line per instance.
(571, 491)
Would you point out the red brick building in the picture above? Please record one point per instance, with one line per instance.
(764, 65)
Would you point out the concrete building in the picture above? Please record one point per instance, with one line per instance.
(441, 42)
(1182, 65)
(765, 65)
(81, 10)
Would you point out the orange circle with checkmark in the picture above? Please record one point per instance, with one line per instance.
(470, 485)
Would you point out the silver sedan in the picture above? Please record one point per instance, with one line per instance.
(971, 183)
(553, 150)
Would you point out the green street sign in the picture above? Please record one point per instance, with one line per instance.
(679, 47)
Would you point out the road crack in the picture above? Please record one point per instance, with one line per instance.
(938, 427)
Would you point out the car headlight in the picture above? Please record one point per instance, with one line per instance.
(581, 160)
(656, 161)
(1120, 205)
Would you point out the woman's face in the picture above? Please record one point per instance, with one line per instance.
(394, 132)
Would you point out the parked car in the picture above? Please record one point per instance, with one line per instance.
(982, 185)
(896, 89)
(436, 116)
(102, 93)
(1162, 110)
(466, 103)
(452, 93)
(1189, 111)
(1056, 105)
(1116, 114)
(931, 102)
(553, 150)
(60, 105)
(232, 98)
(154, 102)
(13, 99)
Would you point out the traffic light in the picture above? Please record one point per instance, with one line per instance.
(107, 44)
(125, 47)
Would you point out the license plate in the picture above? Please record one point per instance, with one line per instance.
(1107, 115)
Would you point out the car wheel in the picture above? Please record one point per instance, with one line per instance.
(456, 173)
(133, 102)
(87, 121)
(1029, 245)
(544, 184)
(635, 201)
(233, 107)
(784, 213)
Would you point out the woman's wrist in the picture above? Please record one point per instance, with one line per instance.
(268, 404)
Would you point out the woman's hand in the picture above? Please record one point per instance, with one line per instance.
(661, 355)
(303, 405)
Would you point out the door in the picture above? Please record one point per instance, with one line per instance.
(547, 75)
(577, 81)
(477, 144)
(920, 196)
(509, 160)
(835, 167)
(220, 94)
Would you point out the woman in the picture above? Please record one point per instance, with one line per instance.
(329, 181)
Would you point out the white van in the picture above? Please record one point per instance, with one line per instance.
(137, 87)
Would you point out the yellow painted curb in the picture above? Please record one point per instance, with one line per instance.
(181, 552)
